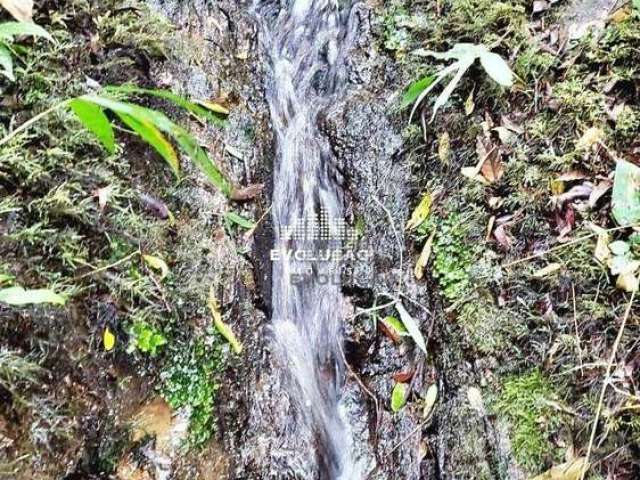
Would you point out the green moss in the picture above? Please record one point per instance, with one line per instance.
(189, 380)
(452, 255)
(523, 402)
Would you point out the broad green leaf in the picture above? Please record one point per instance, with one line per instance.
(150, 134)
(497, 68)
(92, 117)
(6, 62)
(619, 247)
(415, 89)
(157, 264)
(222, 327)
(108, 339)
(421, 213)
(8, 30)
(239, 220)
(395, 324)
(412, 327)
(186, 141)
(5, 278)
(399, 397)
(20, 296)
(199, 109)
(202, 160)
(626, 194)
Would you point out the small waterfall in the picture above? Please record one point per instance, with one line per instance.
(305, 43)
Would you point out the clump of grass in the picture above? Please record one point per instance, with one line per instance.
(523, 402)
(17, 370)
(190, 381)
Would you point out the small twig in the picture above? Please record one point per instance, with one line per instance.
(575, 323)
(605, 383)
(398, 239)
(108, 267)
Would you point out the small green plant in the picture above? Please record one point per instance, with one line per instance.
(148, 124)
(8, 32)
(189, 381)
(452, 257)
(464, 54)
(145, 338)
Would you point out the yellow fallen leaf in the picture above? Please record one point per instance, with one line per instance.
(214, 107)
(21, 10)
(548, 270)
(421, 213)
(424, 257)
(108, 339)
(222, 327)
(627, 282)
(157, 264)
(469, 105)
(566, 471)
(430, 400)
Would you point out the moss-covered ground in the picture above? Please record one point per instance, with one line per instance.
(78, 220)
(549, 335)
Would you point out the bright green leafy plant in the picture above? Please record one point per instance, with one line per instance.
(145, 338)
(8, 32)
(464, 55)
(150, 125)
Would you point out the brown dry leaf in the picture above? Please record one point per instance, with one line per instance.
(21, 10)
(567, 471)
(572, 176)
(250, 192)
(424, 257)
(153, 419)
(492, 169)
(490, 164)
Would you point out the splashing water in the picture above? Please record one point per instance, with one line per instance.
(305, 43)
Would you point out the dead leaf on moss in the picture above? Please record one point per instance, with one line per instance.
(444, 148)
(589, 138)
(424, 257)
(21, 10)
(567, 471)
(153, 419)
(547, 271)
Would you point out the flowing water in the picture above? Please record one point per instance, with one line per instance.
(305, 44)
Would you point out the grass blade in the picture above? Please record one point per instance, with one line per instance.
(197, 109)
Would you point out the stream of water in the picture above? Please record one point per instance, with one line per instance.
(305, 43)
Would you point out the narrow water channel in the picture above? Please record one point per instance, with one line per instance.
(305, 44)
